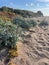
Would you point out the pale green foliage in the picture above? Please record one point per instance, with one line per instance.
(44, 23)
(8, 34)
(22, 23)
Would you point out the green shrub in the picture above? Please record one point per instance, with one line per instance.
(44, 23)
(22, 23)
(8, 34)
(33, 23)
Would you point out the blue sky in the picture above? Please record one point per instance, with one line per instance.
(32, 5)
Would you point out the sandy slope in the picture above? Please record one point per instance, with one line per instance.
(34, 50)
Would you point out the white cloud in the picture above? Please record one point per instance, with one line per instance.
(27, 4)
(30, 5)
(43, 0)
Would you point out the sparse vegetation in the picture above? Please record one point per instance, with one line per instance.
(25, 24)
(33, 23)
(22, 23)
(44, 23)
(24, 13)
(39, 13)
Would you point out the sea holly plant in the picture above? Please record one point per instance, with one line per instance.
(8, 34)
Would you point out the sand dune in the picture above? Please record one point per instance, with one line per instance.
(34, 50)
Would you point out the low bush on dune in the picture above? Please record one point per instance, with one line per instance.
(44, 23)
(8, 36)
(25, 24)
(22, 23)
(33, 23)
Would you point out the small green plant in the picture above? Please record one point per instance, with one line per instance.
(33, 23)
(44, 23)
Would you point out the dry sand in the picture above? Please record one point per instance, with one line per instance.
(35, 48)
